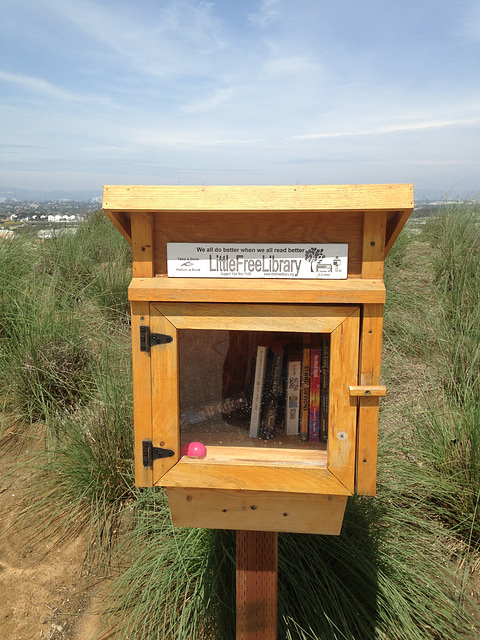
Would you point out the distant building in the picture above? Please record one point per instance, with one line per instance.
(45, 234)
(61, 218)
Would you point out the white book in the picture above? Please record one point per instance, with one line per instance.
(292, 396)
(260, 368)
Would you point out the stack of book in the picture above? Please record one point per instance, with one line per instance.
(290, 389)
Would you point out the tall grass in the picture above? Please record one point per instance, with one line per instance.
(65, 366)
(173, 583)
(85, 469)
(46, 353)
(448, 436)
(92, 267)
(455, 236)
(448, 427)
(54, 312)
(378, 579)
(412, 307)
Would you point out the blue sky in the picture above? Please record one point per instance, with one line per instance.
(240, 92)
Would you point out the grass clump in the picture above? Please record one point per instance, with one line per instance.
(448, 441)
(448, 428)
(455, 237)
(82, 478)
(93, 266)
(392, 574)
(65, 369)
(58, 300)
(46, 353)
(172, 583)
(378, 579)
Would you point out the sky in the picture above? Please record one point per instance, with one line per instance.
(185, 92)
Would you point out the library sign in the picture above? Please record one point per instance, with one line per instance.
(297, 261)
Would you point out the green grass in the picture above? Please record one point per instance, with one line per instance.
(378, 579)
(65, 370)
(455, 236)
(82, 478)
(448, 429)
(46, 353)
(171, 582)
(58, 301)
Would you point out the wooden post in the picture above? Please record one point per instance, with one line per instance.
(257, 585)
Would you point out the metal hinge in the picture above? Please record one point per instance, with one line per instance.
(148, 339)
(151, 453)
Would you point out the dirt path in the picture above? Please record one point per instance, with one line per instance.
(45, 593)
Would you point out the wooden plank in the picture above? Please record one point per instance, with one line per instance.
(374, 229)
(395, 223)
(344, 342)
(142, 245)
(142, 405)
(367, 443)
(371, 344)
(189, 472)
(165, 394)
(368, 409)
(257, 585)
(255, 317)
(368, 390)
(333, 213)
(296, 227)
(257, 510)
(122, 222)
(265, 456)
(351, 291)
(356, 197)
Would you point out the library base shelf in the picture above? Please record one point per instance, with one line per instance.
(256, 510)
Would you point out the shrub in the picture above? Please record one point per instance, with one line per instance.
(47, 356)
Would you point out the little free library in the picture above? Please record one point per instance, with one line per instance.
(256, 337)
(257, 319)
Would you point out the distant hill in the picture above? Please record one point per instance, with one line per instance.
(33, 195)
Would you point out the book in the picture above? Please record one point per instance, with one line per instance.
(292, 395)
(305, 389)
(324, 387)
(257, 394)
(314, 414)
(273, 391)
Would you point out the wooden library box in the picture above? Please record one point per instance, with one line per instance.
(256, 362)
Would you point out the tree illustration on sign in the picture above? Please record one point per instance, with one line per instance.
(314, 255)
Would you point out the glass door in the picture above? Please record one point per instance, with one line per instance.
(256, 385)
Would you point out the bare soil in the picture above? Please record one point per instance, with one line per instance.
(47, 591)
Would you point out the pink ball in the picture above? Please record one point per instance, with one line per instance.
(194, 450)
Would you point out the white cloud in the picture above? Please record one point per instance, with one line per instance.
(172, 39)
(210, 103)
(51, 91)
(291, 65)
(394, 128)
(267, 13)
(292, 92)
(37, 85)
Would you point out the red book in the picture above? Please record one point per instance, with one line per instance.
(315, 375)
(305, 403)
